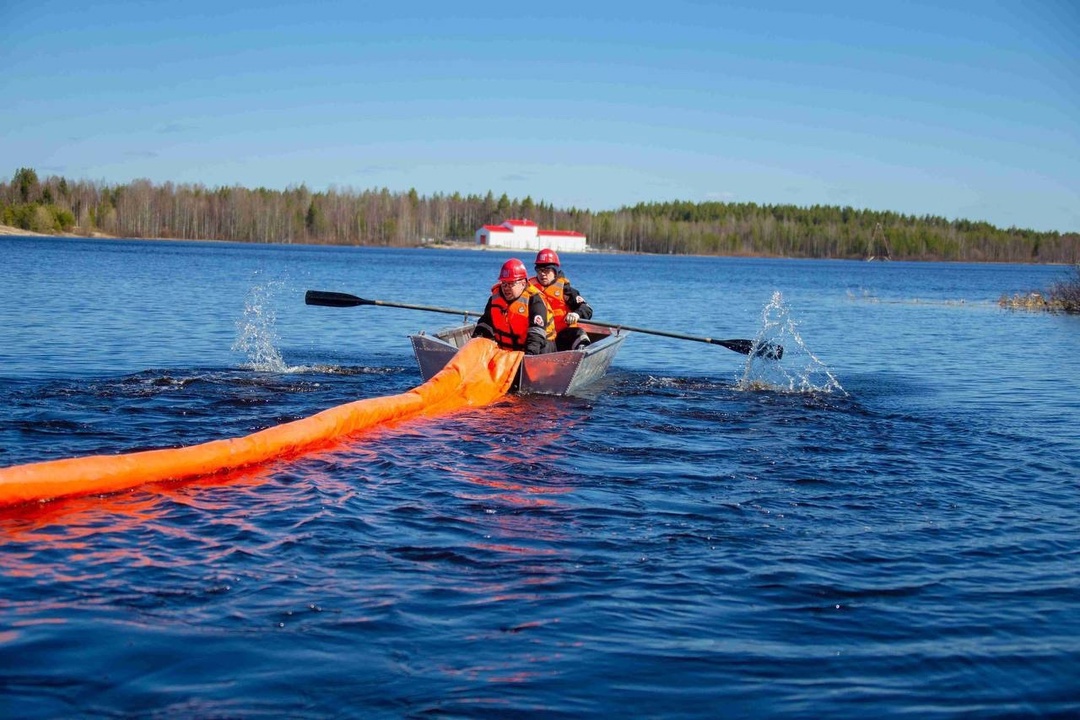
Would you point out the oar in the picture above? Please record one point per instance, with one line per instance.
(766, 350)
(337, 299)
(746, 347)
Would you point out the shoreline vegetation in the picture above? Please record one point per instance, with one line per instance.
(142, 209)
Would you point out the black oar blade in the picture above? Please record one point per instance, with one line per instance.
(740, 346)
(769, 351)
(332, 299)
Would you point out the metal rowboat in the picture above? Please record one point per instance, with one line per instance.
(559, 373)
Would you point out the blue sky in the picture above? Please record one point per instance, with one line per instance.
(956, 109)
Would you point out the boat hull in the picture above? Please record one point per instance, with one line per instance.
(560, 373)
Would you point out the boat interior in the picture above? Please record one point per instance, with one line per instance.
(458, 336)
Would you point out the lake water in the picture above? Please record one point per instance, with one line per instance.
(885, 523)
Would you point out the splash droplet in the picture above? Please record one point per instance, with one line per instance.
(257, 337)
(800, 371)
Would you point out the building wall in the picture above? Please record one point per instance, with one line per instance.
(562, 243)
(525, 235)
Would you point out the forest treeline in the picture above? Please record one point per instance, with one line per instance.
(142, 209)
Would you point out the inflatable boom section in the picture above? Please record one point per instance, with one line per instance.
(478, 374)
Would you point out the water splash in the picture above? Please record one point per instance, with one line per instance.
(257, 337)
(799, 371)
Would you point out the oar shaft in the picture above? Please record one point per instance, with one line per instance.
(664, 333)
(326, 298)
(426, 308)
(739, 345)
(336, 299)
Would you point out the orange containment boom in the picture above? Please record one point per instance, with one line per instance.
(478, 374)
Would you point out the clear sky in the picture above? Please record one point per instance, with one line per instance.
(962, 109)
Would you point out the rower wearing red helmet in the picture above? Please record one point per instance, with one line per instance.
(567, 305)
(516, 316)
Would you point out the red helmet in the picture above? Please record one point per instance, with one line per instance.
(547, 257)
(512, 271)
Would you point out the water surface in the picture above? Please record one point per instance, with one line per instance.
(887, 523)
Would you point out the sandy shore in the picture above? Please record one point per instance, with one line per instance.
(9, 230)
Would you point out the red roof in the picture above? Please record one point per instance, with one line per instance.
(509, 225)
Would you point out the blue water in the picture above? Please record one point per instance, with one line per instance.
(887, 523)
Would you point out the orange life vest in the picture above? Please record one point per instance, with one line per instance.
(510, 320)
(555, 297)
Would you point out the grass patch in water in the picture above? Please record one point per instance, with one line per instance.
(1063, 296)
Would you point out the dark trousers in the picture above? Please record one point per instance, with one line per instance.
(572, 338)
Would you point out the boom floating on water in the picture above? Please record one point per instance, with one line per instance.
(478, 374)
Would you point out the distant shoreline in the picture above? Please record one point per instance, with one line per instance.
(8, 230)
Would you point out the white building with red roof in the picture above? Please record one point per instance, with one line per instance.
(521, 234)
